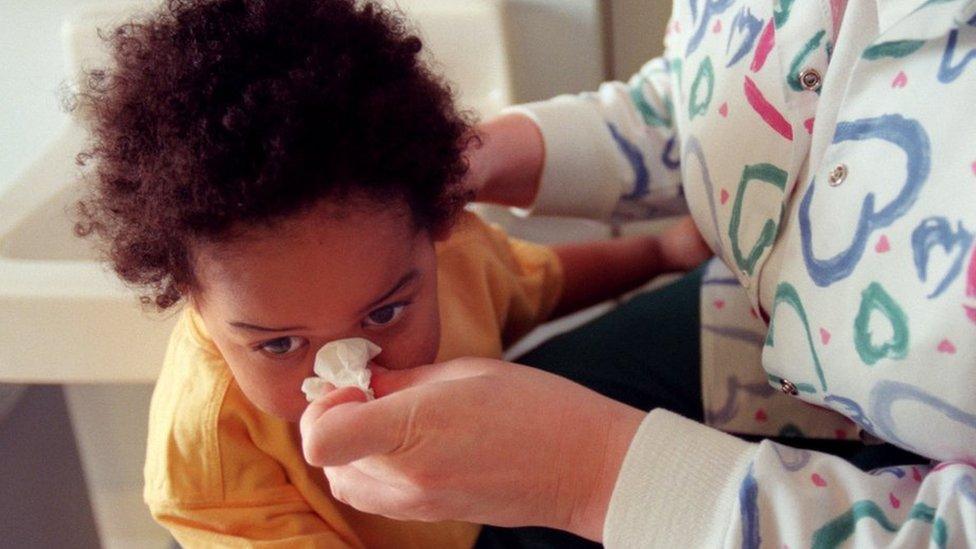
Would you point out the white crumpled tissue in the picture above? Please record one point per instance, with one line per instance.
(343, 364)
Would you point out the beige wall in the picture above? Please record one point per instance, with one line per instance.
(637, 32)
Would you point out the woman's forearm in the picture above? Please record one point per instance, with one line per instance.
(602, 270)
(505, 169)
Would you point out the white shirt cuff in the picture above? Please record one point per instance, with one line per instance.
(678, 485)
(579, 177)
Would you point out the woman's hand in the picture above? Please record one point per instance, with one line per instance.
(682, 247)
(473, 439)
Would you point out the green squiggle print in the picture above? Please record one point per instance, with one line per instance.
(896, 49)
(837, 531)
(876, 298)
(794, 77)
(648, 113)
(782, 12)
(705, 73)
(767, 173)
(786, 293)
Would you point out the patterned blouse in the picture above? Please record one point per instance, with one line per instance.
(827, 151)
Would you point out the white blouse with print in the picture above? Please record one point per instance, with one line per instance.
(827, 151)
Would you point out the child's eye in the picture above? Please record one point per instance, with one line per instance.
(384, 316)
(282, 346)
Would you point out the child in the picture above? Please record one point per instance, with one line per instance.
(293, 171)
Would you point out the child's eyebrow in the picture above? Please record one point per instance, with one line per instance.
(404, 280)
(255, 328)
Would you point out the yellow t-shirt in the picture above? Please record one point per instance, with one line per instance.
(219, 472)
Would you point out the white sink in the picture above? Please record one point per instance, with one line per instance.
(64, 317)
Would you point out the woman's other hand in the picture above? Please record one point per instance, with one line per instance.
(682, 246)
(473, 439)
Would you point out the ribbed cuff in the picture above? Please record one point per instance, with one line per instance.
(579, 177)
(678, 485)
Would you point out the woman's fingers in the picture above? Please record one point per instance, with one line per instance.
(352, 430)
(342, 427)
(333, 397)
(385, 382)
(361, 491)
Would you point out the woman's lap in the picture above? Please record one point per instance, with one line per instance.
(644, 353)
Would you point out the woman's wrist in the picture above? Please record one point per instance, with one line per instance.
(507, 165)
(595, 476)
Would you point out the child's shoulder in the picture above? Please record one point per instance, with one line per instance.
(472, 235)
(197, 413)
(474, 241)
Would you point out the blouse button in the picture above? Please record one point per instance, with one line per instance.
(788, 387)
(837, 175)
(810, 79)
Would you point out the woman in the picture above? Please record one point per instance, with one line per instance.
(841, 201)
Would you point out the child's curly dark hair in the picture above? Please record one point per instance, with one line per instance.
(221, 114)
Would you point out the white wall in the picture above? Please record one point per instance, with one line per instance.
(637, 33)
(555, 47)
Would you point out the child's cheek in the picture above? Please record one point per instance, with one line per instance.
(416, 344)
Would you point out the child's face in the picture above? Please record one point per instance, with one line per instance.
(273, 298)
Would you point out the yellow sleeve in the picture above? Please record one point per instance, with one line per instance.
(219, 473)
(282, 524)
(537, 288)
(526, 279)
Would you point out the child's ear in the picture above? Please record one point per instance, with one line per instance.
(192, 299)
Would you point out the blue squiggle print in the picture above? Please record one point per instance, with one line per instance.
(752, 26)
(906, 134)
(887, 393)
(748, 503)
(670, 160)
(739, 334)
(642, 177)
(712, 8)
(693, 147)
(852, 410)
(949, 71)
(897, 472)
(792, 459)
(937, 231)
(725, 414)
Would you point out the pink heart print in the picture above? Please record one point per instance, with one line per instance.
(724, 196)
(900, 81)
(883, 246)
(724, 110)
(818, 480)
(895, 502)
(947, 347)
(808, 124)
(824, 336)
